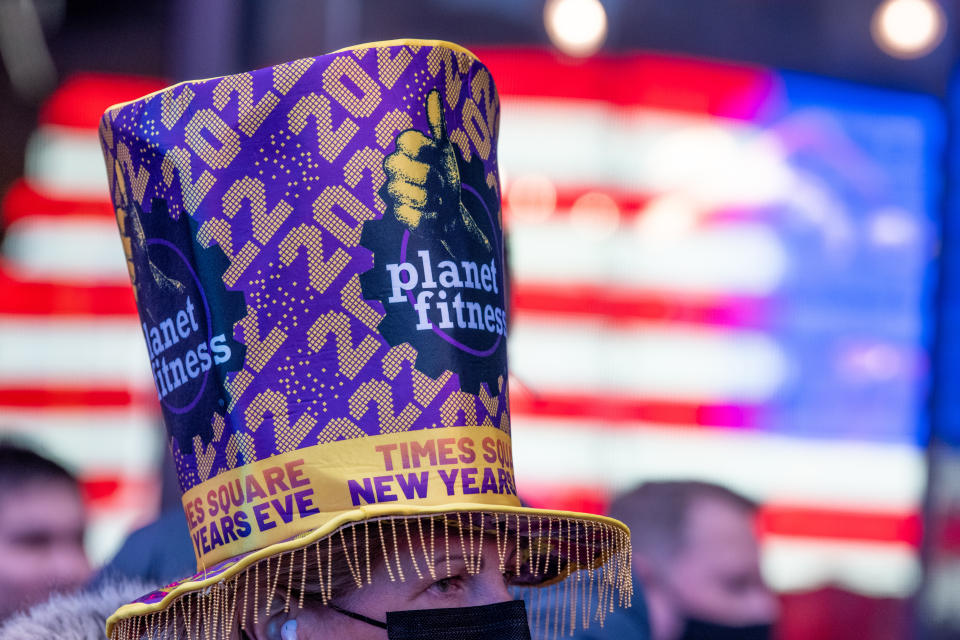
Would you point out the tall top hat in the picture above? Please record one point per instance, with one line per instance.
(317, 256)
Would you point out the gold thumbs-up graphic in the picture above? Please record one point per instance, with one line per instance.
(423, 184)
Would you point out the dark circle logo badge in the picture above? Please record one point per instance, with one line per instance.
(186, 315)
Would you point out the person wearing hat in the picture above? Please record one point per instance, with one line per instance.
(316, 250)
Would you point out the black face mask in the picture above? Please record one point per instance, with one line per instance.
(501, 621)
(702, 630)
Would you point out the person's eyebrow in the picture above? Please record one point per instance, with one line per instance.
(442, 557)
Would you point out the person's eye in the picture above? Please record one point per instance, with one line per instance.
(34, 541)
(508, 577)
(446, 586)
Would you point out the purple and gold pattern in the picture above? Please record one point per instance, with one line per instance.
(278, 169)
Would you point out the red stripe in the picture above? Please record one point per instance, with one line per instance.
(657, 82)
(620, 304)
(46, 298)
(99, 488)
(23, 201)
(73, 398)
(114, 491)
(818, 522)
(780, 519)
(81, 100)
(630, 409)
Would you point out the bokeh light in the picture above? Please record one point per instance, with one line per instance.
(576, 27)
(908, 28)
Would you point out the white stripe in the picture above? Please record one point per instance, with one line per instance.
(763, 466)
(677, 362)
(884, 570)
(90, 441)
(590, 142)
(65, 161)
(55, 351)
(745, 259)
(75, 250)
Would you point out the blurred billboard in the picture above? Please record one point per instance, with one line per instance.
(727, 273)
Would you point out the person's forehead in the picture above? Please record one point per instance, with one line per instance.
(711, 522)
(40, 505)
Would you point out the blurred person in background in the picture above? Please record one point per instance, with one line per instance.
(697, 557)
(41, 530)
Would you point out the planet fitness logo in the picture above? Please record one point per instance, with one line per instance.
(179, 352)
(438, 262)
(188, 334)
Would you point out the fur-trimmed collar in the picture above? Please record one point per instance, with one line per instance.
(78, 616)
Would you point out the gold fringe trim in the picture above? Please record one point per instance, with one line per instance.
(585, 566)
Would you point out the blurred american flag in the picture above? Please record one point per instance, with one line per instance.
(715, 276)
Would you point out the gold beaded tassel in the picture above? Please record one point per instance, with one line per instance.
(231, 611)
(463, 543)
(428, 556)
(272, 586)
(354, 570)
(256, 594)
(396, 549)
(564, 575)
(410, 544)
(366, 544)
(501, 548)
(582, 580)
(623, 578)
(588, 579)
(575, 581)
(357, 555)
(329, 568)
(246, 596)
(604, 578)
(197, 618)
(386, 550)
(482, 529)
(517, 555)
(201, 616)
(290, 579)
(303, 578)
(628, 569)
(320, 578)
(535, 556)
(186, 617)
(466, 546)
(207, 613)
(528, 558)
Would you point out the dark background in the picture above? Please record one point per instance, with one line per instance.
(184, 39)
